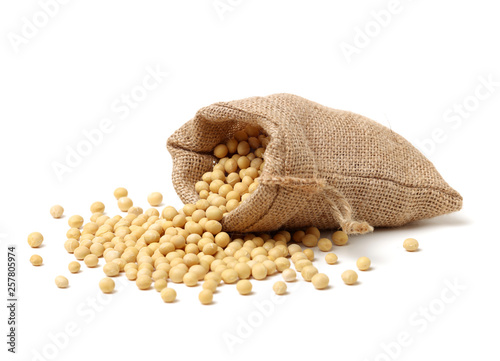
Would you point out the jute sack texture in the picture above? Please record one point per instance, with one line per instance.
(324, 167)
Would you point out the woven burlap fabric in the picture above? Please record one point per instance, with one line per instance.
(324, 167)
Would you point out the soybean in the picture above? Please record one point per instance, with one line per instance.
(280, 288)
(320, 281)
(35, 239)
(75, 221)
(331, 258)
(363, 263)
(324, 244)
(349, 277)
(111, 269)
(56, 211)
(206, 296)
(143, 282)
(125, 203)
(155, 199)
(410, 244)
(244, 287)
(61, 282)
(36, 260)
(340, 238)
(168, 295)
(74, 267)
(97, 207)
(91, 260)
(107, 285)
(289, 275)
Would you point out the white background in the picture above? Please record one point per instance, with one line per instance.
(410, 74)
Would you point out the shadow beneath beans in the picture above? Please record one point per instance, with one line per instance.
(448, 220)
(355, 284)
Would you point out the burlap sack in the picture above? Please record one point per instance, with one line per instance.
(324, 167)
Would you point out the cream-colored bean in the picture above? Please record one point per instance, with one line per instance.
(177, 273)
(131, 274)
(320, 281)
(243, 270)
(280, 288)
(35, 239)
(210, 285)
(271, 267)
(97, 207)
(168, 295)
(301, 264)
(324, 244)
(190, 279)
(143, 282)
(340, 238)
(289, 275)
(81, 252)
(363, 263)
(349, 277)
(310, 240)
(221, 150)
(229, 276)
(155, 199)
(410, 244)
(259, 271)
(331, 258)
(107, 285)
(91, 260)
(56, 211)
(125, 203)
(244, 287)
(74, 267)
(61, 282)
(120, 192)
(294, 248)
(213, 227)
(36, 260)
(75, 221)
(309, 254)
(160, 284)
(214, 213)
(111, 269)
(206, 296)
(308, 272)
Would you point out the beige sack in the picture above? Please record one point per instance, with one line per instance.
(324, 167)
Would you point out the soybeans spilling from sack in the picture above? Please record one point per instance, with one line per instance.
(259, 178)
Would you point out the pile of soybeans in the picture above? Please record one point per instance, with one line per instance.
(188, 245)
